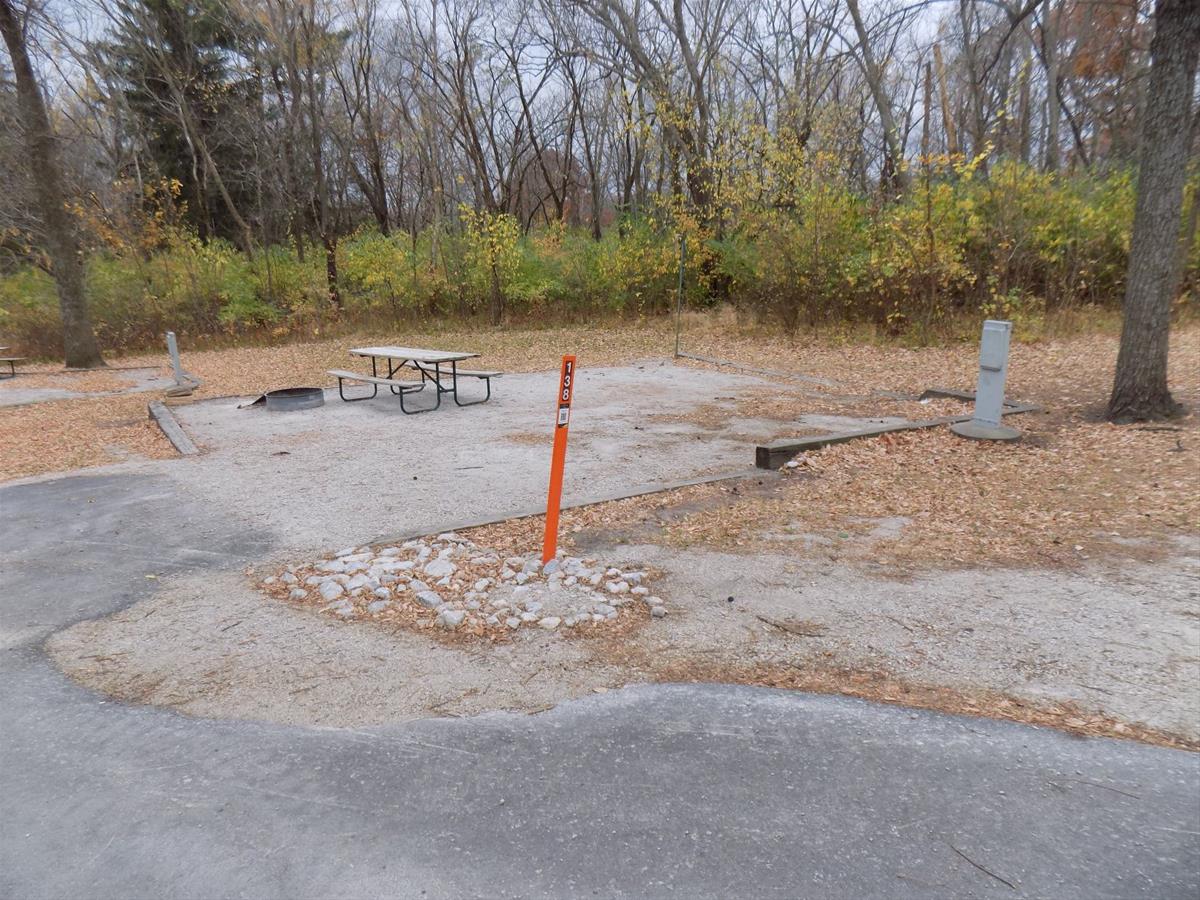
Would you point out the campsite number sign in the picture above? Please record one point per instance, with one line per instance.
(566, 390)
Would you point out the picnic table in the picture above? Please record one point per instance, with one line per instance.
(430, 363)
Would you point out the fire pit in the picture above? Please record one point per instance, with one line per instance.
(290, 399)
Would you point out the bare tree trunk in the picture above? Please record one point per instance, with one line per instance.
(321, 201)
(80, 349)
(1140, 389)
(497, 297)
(947, 118)
(1053, 104)
(1024, 113)
(883, 105)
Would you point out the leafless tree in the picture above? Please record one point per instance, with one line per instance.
(57, 230)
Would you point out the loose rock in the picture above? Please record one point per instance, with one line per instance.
(331, 590)
(429, 599)
(440, 568)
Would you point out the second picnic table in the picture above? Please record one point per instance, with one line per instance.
(430, 363)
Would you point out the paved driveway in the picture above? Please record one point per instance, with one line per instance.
(652, 791)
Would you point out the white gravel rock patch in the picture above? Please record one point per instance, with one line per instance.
(465, 588)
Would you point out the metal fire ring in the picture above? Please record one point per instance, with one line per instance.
(290, 399)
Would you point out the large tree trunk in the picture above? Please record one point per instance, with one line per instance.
(1140, 388)
(80, 349)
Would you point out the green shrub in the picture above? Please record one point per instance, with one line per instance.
(797, 244)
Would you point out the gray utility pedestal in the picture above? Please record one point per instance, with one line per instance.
(989, 394)
(185, 384)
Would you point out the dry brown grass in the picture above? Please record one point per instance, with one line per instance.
(1072, 488)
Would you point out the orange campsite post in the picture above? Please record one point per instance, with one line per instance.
(566, 388)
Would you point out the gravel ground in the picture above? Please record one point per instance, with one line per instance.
(1124, 641)
(349, 472)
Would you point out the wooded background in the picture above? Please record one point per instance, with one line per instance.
(271, 165)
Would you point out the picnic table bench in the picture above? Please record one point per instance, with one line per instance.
(429, 363)
(12, 363)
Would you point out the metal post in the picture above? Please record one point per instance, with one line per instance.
(173, 349)
(679, 300)
(184, 383)
(986, 425)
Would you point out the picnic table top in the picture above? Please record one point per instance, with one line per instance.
(416, 354)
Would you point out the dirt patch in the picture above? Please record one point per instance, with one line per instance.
(528, 438)
(213, 646)
(1108, 650)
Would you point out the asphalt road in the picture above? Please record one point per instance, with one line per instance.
(680, 791)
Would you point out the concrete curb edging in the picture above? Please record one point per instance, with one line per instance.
(776, 453)
(171, 428)
(640, 491)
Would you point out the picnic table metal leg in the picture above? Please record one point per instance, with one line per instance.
(436, 379)
(370, 396)
(487, 397)
(412, 412)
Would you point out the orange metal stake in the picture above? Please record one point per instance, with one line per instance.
(566, 388)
